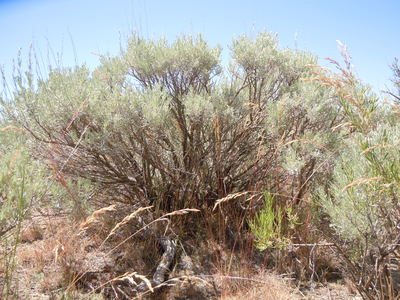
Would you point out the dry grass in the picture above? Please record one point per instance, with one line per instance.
(31, 233)
(126, 220)
(362, 181)
(59, 257)
(262, 287)
(270, 287)
(229, 197)
(49, 256)
(13, 128)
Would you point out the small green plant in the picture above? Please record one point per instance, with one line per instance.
(268, 226)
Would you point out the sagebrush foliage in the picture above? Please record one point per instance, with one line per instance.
(362, 199)
(162, 124)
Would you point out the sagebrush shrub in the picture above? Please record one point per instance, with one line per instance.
(162, 124)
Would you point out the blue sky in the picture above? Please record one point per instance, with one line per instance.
(370, 29)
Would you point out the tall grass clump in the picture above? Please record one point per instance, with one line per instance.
(20, 185)
(27, 185)
(362, 199)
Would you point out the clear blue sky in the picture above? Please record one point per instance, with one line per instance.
(370, 29)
